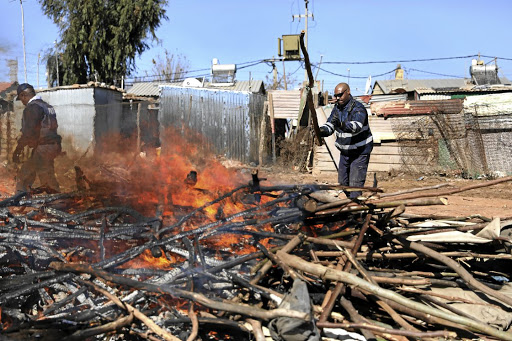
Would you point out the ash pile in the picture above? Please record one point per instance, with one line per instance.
(286, 262)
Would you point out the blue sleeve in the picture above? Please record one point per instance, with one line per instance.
(329, 124)
(357, 120)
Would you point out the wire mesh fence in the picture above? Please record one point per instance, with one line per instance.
(468, 142)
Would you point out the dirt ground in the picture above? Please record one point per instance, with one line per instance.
(490, 201)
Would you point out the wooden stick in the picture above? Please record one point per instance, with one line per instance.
(292, 244)
(446, 297)
(463, 273)
(412, 190)
(195, 323)
(382, 330)
(134, 312)
(309, 99)
(356, 317)
(456, 190)
(336, 275)
(400, 255)
(201, 299)
(340, 202)
(333, 294)
(385, 204)
(394, 315)
(257, 330)
(105, 328)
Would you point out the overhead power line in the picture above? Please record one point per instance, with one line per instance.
(239, 66)
(252, 63)
(502, 58)
(433, 73)
(362, 77)
(415, 60)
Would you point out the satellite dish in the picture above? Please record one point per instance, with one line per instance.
(192, 83)
(368, 85)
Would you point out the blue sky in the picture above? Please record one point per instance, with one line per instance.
(241, 31)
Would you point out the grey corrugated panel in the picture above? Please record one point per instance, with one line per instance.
(286, 103)
(434, 97)
(251, 86)
(388, 98)
(229, 120)
(85, 114)
(150, 89)
(254, 86)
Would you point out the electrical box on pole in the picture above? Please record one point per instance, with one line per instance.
(290, 47)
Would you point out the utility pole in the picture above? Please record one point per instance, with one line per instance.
(38, 57)
(306, 15)
(274, 69)
(284, 77)
(23, 35)
(57, 61)
(318, 67)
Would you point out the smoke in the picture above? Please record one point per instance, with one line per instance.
(5, 48)
(6, 62)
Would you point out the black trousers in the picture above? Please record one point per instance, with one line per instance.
(352, 171)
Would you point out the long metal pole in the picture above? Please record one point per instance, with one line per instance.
(306, 38)
(318, 67)
(57, 61)
(38, 57)
(23, 35)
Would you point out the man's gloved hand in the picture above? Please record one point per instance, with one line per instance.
(324, 131)
(16, 154)
(336, 121)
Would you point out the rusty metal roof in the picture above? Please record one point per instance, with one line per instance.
(403, 108)
(8, 90)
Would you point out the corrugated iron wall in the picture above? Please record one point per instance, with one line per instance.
(85, 115)
(229, 120)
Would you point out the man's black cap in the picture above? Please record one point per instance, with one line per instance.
(22, 87)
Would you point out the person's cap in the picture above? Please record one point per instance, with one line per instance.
(22, 87)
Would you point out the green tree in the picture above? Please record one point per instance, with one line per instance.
(101, 38)
(53, 67)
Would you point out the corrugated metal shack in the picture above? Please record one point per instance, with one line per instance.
(87, 115)
(229, 119)
(469, 135)
(493, 116)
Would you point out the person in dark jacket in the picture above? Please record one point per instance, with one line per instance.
(39, 133)
(349, 120)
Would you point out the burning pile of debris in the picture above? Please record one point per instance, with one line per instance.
(282, 262)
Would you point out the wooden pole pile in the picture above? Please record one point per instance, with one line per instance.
(296, 266)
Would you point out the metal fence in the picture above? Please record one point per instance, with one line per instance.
(229, 121)
(467, 142)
